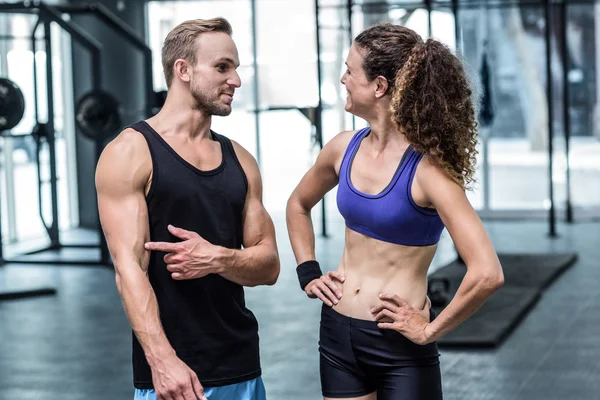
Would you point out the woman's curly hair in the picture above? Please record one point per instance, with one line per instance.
(431, 97)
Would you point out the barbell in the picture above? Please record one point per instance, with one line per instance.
(12, 104)
(97, 113)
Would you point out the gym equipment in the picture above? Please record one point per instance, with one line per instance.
(12, 108)
(97, 115)
(45, 135)
(318, 112)
(526, 276)
(486, 113)
(437, 291)
(24, 294)
(12, 104)
(566, 67)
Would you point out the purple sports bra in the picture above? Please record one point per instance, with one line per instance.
(392, 215)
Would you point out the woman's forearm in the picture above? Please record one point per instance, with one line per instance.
(474, 290)
(301, 231)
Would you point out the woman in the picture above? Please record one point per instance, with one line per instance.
(401, 181)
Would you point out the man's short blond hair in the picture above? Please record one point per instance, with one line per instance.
(181, 42)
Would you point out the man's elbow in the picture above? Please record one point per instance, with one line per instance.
(273, 272)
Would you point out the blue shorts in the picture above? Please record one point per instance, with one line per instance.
(249, 390)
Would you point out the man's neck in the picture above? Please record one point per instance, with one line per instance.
(178, 118)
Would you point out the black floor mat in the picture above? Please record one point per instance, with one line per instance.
(525, 277)
(26, 293)
(64, 256)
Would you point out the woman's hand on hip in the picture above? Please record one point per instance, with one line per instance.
(328, 288)
(395, 313)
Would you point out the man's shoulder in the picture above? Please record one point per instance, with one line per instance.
(127, 139)
(127, 150)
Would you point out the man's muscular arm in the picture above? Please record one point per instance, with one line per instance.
(258, 262)
(122, 174)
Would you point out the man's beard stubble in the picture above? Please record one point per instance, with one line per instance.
(204, 104)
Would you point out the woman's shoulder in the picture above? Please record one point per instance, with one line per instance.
(333, 152)
(430, 174)
(340, 142)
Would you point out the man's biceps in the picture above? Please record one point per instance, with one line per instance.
(258, 227)
(122, 225)
(259, 238)
(255, 186)
(126, 250)
(254, 207)
(120, 220)
(258, 222)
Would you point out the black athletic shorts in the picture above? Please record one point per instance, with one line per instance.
(358, 358)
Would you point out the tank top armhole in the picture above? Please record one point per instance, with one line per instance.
(140, 128)
(231, 150)
(413, 170)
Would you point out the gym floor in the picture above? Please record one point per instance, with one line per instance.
(77, 345)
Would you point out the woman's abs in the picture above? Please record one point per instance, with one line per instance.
(371, 267)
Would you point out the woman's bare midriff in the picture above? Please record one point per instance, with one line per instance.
(371, 267)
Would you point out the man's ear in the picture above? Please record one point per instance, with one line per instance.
(381, 86)
(181, 70)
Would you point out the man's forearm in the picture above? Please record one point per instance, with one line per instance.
(252, 266)
(142, 311)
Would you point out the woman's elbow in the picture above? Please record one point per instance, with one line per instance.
(291, 210)
(486, 280)
(492, 280)
(296, 206)
(291, 203)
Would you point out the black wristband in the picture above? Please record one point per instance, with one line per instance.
(307, 272)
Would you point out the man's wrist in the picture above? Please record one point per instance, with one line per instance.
(429, 333)
(159, 353)
(226, 259)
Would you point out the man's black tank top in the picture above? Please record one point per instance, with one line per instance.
(205, 320)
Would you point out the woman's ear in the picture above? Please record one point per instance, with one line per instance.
(381, 86)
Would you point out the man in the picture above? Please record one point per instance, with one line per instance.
(177, 203)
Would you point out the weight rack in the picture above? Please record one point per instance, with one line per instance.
(46, 131)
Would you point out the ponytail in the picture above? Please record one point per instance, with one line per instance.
(432, 106)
